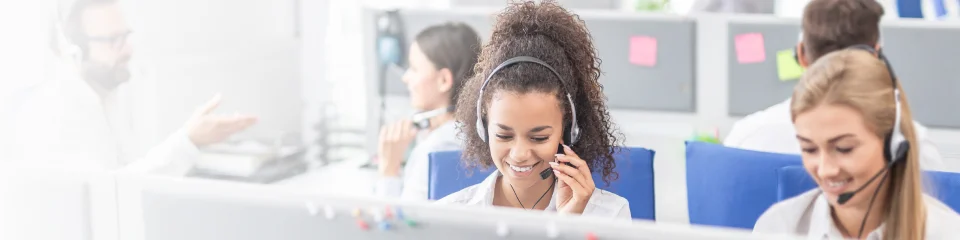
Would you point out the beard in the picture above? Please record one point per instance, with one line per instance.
(103, 78)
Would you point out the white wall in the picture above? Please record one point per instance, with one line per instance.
(245, 49)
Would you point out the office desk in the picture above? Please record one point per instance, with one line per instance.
(344, 178)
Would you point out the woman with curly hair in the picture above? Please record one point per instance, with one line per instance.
(535, 110)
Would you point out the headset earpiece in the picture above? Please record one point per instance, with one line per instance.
(481, 129)
(896, 146)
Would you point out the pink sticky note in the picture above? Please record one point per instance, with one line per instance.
(643, 51)
(750, 48)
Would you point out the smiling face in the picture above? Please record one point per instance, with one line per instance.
(525, 131)
(840, 151)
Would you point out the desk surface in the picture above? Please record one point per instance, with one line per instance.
(342, 178)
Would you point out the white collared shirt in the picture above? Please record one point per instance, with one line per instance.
(771, 130)
(64, 122)
(809, 214)
(602, 203)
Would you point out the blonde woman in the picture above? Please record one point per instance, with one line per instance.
(848, 111)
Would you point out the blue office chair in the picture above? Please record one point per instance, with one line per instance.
(448, 174)
(731, 187)
(635, 166)
(945, 186)
(910, 8)
(793, 181)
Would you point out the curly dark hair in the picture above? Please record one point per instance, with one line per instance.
(559, 38)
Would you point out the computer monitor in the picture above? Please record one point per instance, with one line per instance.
(187, 209)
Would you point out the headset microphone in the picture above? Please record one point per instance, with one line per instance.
(421, 120)
(901, 152)
(844, 197)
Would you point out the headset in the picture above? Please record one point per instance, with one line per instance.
(570, 136)
(66, 36)
(421, 120)
(895, 144)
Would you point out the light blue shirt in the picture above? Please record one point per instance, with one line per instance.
(413, 183)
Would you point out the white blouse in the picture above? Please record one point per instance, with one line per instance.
(809, 214)
(602, 203)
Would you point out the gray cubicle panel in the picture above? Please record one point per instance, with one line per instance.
(187, 210)
(575, 4)
(667, 85)
(756, 86)
(925, 56)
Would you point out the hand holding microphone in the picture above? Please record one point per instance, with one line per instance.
(576, 184)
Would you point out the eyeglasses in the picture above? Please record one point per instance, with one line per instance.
(115, 40)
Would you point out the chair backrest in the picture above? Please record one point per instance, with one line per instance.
(911, 8)
(945, 186)
(448, 174)
(731, 187)
(634, 165)
(793, 181)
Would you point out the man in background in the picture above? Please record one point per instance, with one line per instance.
(91, 115)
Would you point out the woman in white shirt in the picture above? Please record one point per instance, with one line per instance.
(440, 58)
(848, 111)
(536, 112)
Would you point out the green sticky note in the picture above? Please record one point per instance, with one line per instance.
(787, 67)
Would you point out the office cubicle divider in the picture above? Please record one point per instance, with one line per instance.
(755, 52)
(188, 209)
(924, 55)
(574, 4)
(647, 61)
(921, 52)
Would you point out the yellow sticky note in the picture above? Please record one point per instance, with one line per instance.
(787, 67)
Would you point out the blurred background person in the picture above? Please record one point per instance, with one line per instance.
(441, 58)
(92, 113)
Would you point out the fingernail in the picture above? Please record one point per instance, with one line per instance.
(560, 155)
(552, 164)
(567, 147)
